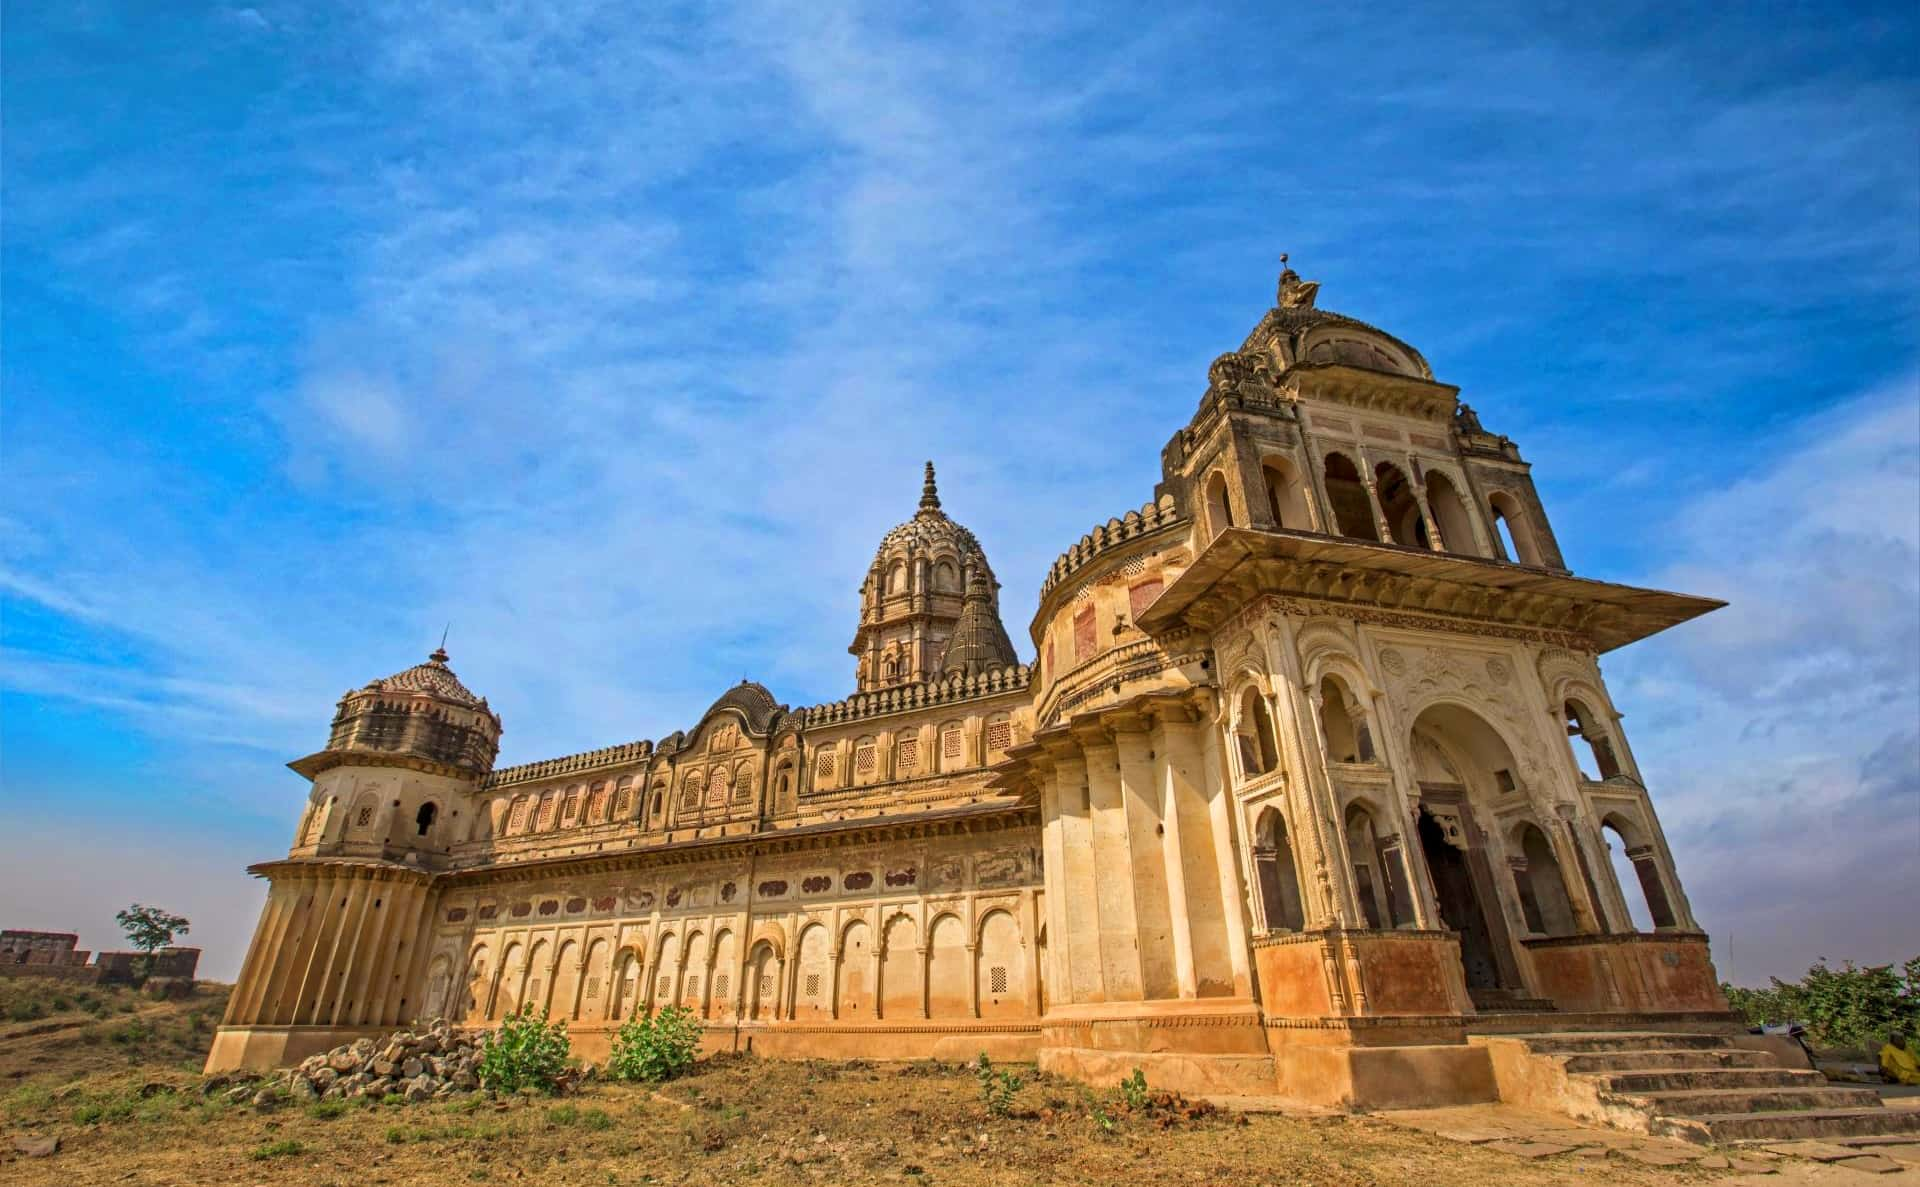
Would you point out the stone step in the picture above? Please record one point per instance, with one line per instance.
(1640, 1083)
(1637, 1061)
(1721, 1128)
(1704, 1102)
(1578, 1043)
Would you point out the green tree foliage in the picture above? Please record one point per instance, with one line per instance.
(656, 1048)
(526, 1052)
(149, 928)
(1844, 1007)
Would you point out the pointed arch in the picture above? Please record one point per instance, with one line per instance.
(1219, 507)
(1277, 874)
(1286, 494)
(1400, 506)
(1450, 515)
(1352, 508)
(1000, 967)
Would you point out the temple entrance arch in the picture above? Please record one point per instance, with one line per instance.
(1466, 774)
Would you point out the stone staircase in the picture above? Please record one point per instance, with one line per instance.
(1706, 1088)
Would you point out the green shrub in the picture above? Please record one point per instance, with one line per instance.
(327, 1110)
(284, 1148)
(596, 1119)
(1133, 1090)
(526, 1052)
(997, 1088)
(656, 1048)
(1843, 1007)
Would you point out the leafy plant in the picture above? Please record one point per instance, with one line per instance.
(527, 1051)
(1844, 1007)
(997, 1088)
(656, 1048)
(1133, 1091)
(285, 1148)
(149, 928)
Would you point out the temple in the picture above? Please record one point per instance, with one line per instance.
(1314, 789)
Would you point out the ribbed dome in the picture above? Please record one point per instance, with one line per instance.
(979, 643)
(434, 677)
(930, 530)
(754, 703)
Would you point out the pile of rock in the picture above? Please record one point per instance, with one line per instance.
(423, 1064)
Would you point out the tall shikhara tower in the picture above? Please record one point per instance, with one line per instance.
(1313, 777)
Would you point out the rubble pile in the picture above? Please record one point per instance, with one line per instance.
(424, 1064)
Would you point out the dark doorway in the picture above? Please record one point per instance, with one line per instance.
(1453, 886)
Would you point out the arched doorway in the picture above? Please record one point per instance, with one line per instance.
(1274, 868)
(1466, 772)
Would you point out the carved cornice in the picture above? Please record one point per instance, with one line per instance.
(622, 755)
(1135, 525)
(1415, 588)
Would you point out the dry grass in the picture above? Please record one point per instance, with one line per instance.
(131, 1112)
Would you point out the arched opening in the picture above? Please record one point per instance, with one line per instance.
(625, 991)
(1636, 867)
(1219, 510)
(897, 578)
(1464, 768)
(693, 980)
(1352, 509)
(1450, 515)
(946, 578)
(1286, 495)
(1598, 747)
(665, 967)
(722, 992)
(763, 983)
(1274, 868)
(1376, 875)
(948, 970)
(1343, 725)
(566, 982)
(1254, 731)
(1543, 890)
(474, 1007)
(1000, 971)
(506, 998)
(900, 969)
(856, 972)
(813, 987)
(1515, 530)
(1398, 504)
(423, 819)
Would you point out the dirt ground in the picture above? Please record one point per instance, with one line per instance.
(120, 1089)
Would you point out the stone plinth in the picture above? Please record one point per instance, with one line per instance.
(1634, 973)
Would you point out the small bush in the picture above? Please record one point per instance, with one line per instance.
(284, 1148)
(1133, 1090)
(562, 1115)
(997, 1088)
(327, 1110)
(527, 1052)
(596, 1119)
(656, 1048)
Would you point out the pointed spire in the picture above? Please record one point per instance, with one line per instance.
(929, 493)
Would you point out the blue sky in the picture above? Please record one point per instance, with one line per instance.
(616, 335)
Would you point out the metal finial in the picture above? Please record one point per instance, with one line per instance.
(929, 493)
(439, 655)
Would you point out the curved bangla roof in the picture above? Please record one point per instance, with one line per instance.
(433, 677)
(930, 530)
(752, 700)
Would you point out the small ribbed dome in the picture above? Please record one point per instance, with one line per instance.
(754, 703)
(433, 677)
(979, 643)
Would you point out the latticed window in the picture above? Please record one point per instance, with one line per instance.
(1083, 642)
(666, 987)
(813, 985)
(693, 989)
(365, 817)
(592, 991)
(997, 979)
(766, 986)
(950, 742)
(909, 756)
(533, 990)
(823, 764)
(999, 735)
(572, 814)
(549, 805)
(864, 760)
(720, 986)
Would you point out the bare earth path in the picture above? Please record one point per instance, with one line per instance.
(129, 1110)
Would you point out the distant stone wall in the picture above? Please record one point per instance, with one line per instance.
(56, 954)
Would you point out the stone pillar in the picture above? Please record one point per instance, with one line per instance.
(1164, 966)
(1112, 871)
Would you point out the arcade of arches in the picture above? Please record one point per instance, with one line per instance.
(1312, 773)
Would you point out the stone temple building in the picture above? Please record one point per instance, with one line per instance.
(1313, 785)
